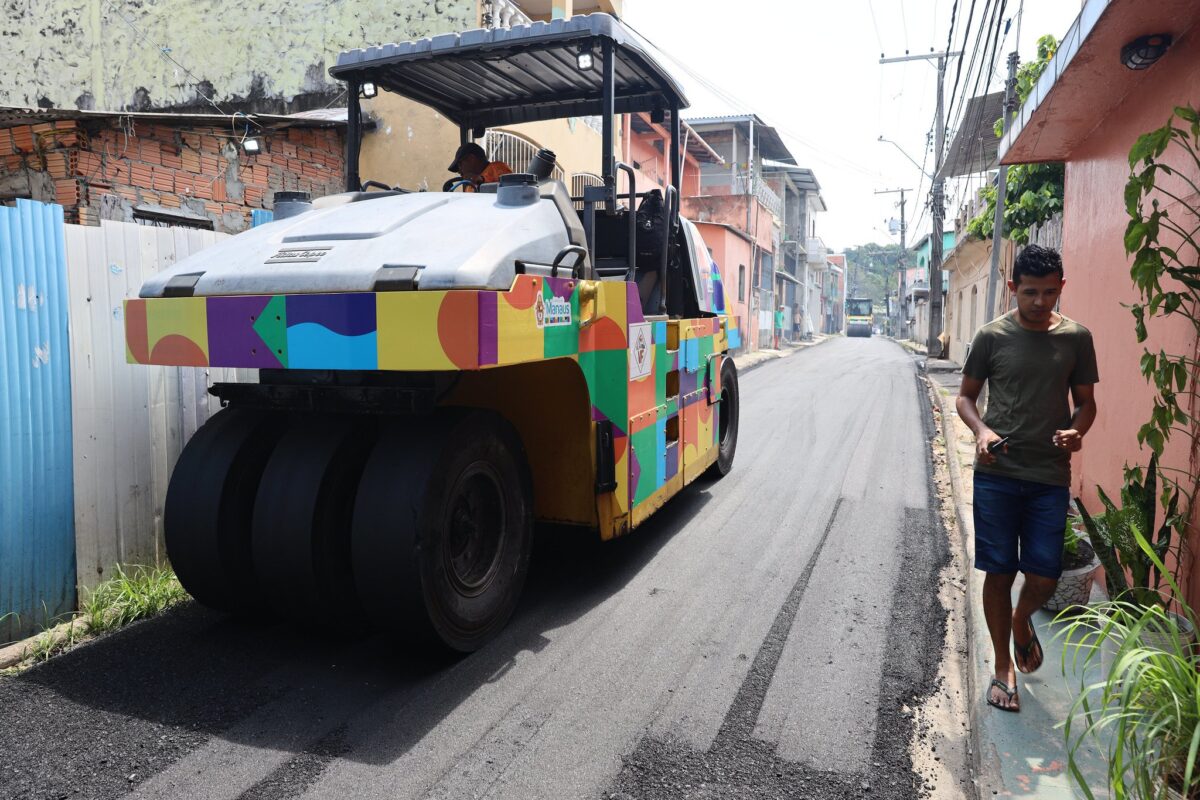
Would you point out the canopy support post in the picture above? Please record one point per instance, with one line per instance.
(353, 136)
(609, 101)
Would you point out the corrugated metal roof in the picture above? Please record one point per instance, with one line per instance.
(37, 527)
(697, 148)
(975, 142)
(769, 142)
(485, 78)
(803, 177)
(322, 118)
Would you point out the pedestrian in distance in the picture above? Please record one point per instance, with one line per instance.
(1040, 369)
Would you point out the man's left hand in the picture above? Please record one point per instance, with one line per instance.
(1070, 440)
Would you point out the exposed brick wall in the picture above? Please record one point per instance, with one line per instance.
(102, 172)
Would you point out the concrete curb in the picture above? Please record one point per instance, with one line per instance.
(13, 654)
(966, 527)
(754, 360)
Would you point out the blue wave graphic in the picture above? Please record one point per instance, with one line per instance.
(313, 346)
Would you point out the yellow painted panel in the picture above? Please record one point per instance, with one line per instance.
(642, 511)
(408, 330)
(518, 338)
(178, 316)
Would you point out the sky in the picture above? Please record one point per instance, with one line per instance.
(810, 68)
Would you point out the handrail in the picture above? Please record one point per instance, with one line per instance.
(580, 254)
(631, 273)
(672, 209)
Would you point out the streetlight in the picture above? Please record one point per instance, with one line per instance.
(906, 155)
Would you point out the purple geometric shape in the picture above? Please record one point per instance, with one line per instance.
(345, 314)
(232, 340)
(633, 304)
(635, 474)
(561, 287)
(489, 329)
(671, 460)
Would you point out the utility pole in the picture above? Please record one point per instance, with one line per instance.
(937, 208)
(1010, 105)
(900, 315)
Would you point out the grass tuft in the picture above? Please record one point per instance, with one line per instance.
(129, 596)
(133, 593)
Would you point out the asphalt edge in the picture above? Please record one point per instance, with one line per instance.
(779, 354)
(966, 526)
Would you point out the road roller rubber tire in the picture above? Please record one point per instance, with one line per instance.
(210, 503)
(301, 527)
(443, 526)
(728, 411)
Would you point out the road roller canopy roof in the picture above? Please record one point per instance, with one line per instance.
(485, 78)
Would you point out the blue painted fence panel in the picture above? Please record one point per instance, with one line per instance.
(37, 529)
(261, 216)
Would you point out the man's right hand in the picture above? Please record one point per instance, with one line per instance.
(985, 438)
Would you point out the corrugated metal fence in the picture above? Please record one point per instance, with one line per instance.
(130, 421)
(37, 542)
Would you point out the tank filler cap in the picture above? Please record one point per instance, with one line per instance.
(289, 204)
(517, 189)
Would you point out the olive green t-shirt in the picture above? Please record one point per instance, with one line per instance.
(1029, 376)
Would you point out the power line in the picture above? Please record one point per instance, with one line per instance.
(966, 37)
(738, 104)
(875, 24)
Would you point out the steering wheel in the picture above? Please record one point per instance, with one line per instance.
(455, 183)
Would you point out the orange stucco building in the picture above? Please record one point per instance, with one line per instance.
(1088, 110)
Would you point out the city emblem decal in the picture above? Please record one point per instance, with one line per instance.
(641, 350)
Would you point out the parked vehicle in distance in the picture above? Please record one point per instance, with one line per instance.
(438, 370)
(860, 316)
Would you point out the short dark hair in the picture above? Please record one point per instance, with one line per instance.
(1037, 262)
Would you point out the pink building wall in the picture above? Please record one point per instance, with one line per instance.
(653, 167)
(732, 252)
(1098, 282)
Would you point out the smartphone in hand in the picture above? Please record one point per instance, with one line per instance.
(995, 446)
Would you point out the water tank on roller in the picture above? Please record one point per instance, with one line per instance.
(289, 204)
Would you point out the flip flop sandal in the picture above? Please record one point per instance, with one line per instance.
(1011, 693)
(1026, 652)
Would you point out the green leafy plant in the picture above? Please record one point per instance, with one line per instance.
(1034, 192)
(1077, 550)
(1145, 713)
(1166, 273)
(1164, 220)
(129, 596)
(1113, 537)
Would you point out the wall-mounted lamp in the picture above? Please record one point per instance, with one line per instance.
(252, 145)
(584, 59)
(1145, 50)
(368, 90)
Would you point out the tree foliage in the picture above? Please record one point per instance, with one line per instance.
(1034, 191)
(870, 270)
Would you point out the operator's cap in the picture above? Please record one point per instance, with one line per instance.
(468, 149)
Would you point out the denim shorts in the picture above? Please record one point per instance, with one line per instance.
(1019, 525)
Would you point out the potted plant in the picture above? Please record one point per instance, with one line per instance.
(1145, 713)
(1133, 574)
(1079, 569)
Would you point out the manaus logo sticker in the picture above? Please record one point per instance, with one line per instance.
(552, 313)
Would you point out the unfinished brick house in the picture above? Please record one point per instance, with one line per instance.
(195, 170)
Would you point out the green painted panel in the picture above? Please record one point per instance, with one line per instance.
(271, 327)
(645, 445)
(606, 372)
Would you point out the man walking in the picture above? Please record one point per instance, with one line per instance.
(1034, 360)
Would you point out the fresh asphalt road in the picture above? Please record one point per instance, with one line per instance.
(759, 638)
